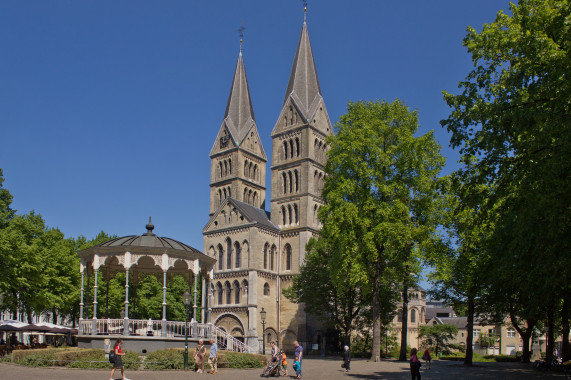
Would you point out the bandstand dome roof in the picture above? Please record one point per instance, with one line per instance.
(147, 244)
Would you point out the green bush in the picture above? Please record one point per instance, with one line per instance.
(71, 357)
(503, 358)
(173, 359)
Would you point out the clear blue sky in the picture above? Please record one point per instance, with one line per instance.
(108, 109)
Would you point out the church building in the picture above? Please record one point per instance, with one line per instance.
(258, 252)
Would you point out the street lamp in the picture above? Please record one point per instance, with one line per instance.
(186, 299)
(263, 318)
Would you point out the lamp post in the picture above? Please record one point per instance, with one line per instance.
(186, 299)
(263, 318)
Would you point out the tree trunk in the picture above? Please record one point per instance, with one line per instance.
(469, 332)
(376, 349)
(566, 355)
(525, 336)
(404, 325)
(550, 335)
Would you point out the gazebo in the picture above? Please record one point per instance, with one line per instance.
(147, 254)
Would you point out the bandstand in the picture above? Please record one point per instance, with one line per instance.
(160, 256)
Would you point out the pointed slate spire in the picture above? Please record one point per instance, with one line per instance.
(303, 87)
(239, 116)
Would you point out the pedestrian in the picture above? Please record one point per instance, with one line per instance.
(199, 356)
(298, 358)
(118, 361)
(346, 359)
(415, 365)
(284, 363)
(426, 357)
(274, 352)
(213, 358)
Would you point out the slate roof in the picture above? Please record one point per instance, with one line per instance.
(254, 214)
(239, 116)
(432, 312)
(303, 87)
(459, 322)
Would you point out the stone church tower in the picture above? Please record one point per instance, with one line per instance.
(259, 252)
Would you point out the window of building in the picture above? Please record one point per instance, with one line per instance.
(266, 289)
(476, 333)
(236, 292)
(510, 332)
(228, 293)
(272, 257)
(413, 316)
(220, 257)
(237, 252)
(399, 315)
(491, 332)
(228, 253)
(266, 256)
(288, 257)
(219, 291)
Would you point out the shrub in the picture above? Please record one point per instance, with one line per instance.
(71, 357)
(503, 358)
(171, 358)
(240, 360)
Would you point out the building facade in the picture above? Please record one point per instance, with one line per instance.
(259, 252)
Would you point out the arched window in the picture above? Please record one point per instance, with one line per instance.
(291, 149)
(289, 177)
(229, 192)
(295, 214)
(272, 257)
(290, 214)
(287, 250)
(230, 165)
(224, 193)
(236, 292)
(228, 293)
(255, 175)
(285, 150)
(250, 171)
(413, 316)
(399, 315)
(297, 147)
(296, 180)
(245, 195)
(284, 183)
(246, 168)
(219, 291)
(228, 253)
(237, 252)
(225, 168)
(245, 289)
(266, 289)
(315, 214)
(220, 257)
(266, 247)
(249, 197)
(315, 179)
(219, 169)
(255, 199)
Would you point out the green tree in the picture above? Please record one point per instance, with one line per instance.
(335, 303)
(512, 114)
(378, 194)
(438, 336)
(6, 213)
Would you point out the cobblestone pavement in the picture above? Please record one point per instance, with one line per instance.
(313, 368)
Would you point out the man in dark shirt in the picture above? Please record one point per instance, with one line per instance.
(298, 357)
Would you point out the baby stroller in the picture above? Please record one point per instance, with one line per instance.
(272, 369)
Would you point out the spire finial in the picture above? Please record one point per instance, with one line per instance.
(150, 227)
(241, 32)
(304, 10)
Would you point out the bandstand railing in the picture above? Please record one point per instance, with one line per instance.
(164, 329)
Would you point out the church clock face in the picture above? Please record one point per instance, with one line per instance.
(224, 140)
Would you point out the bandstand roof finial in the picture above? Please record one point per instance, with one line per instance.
(150, 227)
(241, 32)
(304, 10)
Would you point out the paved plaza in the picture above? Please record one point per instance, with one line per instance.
(313, 368)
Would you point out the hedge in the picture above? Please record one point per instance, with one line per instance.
(173, 359)
(71, 357)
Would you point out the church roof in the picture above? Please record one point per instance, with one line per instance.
(303, 87)
(254, 214)
(239, 115)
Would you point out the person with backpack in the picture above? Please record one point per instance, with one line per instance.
(415, 365)
(115, 358)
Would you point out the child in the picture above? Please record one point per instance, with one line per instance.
(297, 368)
(415, 365)
(284, 364)
(427, 357)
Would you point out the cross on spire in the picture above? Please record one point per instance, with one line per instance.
(304, 9)
(241, 32)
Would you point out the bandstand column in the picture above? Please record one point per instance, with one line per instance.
(164, 329)
(195, 291)
(126, 321)
(94, 331)
(81, 295)
(203, 303)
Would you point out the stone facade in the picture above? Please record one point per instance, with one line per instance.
(259, 252)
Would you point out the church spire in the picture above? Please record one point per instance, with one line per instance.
(303, 87)
(239, 115)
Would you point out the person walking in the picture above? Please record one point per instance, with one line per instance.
(298, 358)
(274, 352)
(213, 358)
(118, 362)
(415, 365)
(346, 358)
(426, 357)
(199, 356)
